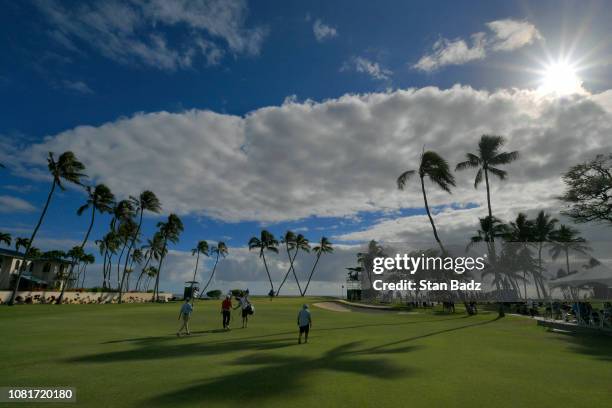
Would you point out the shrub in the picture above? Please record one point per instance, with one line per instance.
(215, 294)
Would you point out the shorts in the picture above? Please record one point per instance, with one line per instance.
(304, 329)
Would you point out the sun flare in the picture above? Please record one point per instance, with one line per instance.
(560, 79)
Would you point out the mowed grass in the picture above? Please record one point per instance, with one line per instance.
(128, 355)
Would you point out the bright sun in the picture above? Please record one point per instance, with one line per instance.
(560, 79)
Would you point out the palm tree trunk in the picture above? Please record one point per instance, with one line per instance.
(161, 260)
(567, 260)
(291, 269)
(27, 249)
(84, 272)
(144, 268)
(211, 276)
(133, 240)
(311, 273)
(263, 255)
(91, 223)
(431, 221)
(195, 271)
(489, 199)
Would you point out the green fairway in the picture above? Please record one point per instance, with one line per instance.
(129, 355)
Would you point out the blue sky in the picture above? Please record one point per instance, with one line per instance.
(66, 65)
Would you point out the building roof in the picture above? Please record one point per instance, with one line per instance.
(16, 254)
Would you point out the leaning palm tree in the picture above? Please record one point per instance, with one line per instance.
(487, 157)
(100, 199)
(220, 250)
(266, 242)
(146, 201)
(5, 238)
(151, 273)
(88, 259)
(566, 240)
(201, 248)
(65, 169)
(543, 227)
(297, 243)
(436, 169)
(153, 249)
(170, 232)
(324, 247)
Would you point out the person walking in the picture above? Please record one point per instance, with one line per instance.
(185, 313)
(226, 311)
(304, 321)
(246, 307)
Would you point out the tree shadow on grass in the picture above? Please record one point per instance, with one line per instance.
(153, 349)
(278, 376)
(599, 346)
(150, 339)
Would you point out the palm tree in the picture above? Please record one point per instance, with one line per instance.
(488, 156)
(170, 232)
(564, 240)
(100, 199)
(21, 243)
(543, 227)
(266, 242)
(366, 259)
(436, 169)
(5, 238)
(126, 230)
(88, 259)
(296, 243)
(65, 169)
(153, 250)
(324, 247)
(521, 230)
(108, 246)
(220, 250)
(151, 273)
(146, 201)
(201, 248)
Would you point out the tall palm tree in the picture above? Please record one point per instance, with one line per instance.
(146, 201)
(151, 273)
(543, 227)
(521, 231)
(153, 249)
(5, 238)
(108, 246)
(125, 231)
(485, 159)
(88, 259)
(201, 248)
(294, 243)
(170, 232)
(220, 251)
(564, 240)
(65, 169)
(99, 199)
(436, 169)
(266, 242)
(324, 247)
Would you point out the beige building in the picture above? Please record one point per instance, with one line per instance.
(39, 274)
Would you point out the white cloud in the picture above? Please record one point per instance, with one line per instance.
(511, 34)
(77, 86)
(323, 31)
(337, 157)
(505, 35)
(132, 32)
(371, 68)
(10, 204)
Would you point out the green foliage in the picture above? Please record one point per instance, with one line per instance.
(215, 294)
